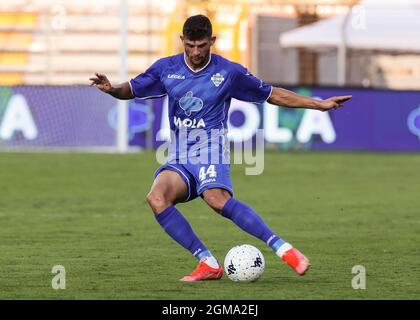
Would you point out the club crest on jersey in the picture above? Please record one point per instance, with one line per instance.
(217, 79)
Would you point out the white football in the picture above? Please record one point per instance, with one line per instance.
(244, 263)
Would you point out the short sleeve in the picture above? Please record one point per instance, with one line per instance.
(148, 84)
(248, 88)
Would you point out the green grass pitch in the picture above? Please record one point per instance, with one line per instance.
(87, 212)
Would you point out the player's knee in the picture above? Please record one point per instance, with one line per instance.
(216, 203)
(157, 201)
(216, 199)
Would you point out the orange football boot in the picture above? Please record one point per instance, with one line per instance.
(295, 259)
(204, 272)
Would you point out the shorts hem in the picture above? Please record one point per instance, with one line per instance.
(215, 185)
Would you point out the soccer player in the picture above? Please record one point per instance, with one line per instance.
(200, 86)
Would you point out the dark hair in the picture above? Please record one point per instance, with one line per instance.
(197, 27)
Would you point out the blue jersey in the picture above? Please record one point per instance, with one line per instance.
(198, 99)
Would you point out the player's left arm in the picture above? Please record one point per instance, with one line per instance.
(286, 98)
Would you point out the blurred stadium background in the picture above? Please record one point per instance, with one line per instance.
(86, 210)
(369, 48)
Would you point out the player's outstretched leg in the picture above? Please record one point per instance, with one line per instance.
(178, 228)
(248, 220)
(166, 191)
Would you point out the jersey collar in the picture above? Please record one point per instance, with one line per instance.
(196, 71)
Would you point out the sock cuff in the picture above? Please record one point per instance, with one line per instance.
(283, 248)
(228, 207)
(274, 241)
(168, 212)
(203, 254)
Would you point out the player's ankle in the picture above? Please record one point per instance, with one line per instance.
(211, 261)
(283, 249)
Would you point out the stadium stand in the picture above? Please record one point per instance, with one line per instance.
(45, 43)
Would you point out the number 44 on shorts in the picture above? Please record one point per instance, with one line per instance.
(209, 173)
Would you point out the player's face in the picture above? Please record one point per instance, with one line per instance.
(198, 51)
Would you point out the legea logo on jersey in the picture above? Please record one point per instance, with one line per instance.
(190, 104)
(217, 79)
(176, 76)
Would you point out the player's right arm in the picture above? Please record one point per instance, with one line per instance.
(120, 91)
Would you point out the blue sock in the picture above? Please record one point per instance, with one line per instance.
(248, 220)
(178, 228)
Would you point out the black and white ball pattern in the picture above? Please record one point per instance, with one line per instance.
(244, 263)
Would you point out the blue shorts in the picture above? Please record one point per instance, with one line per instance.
(200, 177)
